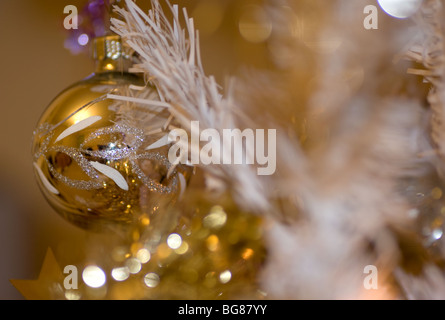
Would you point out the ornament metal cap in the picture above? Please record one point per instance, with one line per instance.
(110, 54)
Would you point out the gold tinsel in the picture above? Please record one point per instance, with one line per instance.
(211, 250)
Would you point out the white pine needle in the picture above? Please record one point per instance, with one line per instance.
(169, 56)
(153, 103)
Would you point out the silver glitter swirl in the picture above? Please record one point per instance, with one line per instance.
(77, 184)
(150, 183)
(135, 139)
(77, 156)
(117, 128)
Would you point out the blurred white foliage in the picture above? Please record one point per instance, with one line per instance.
(341, 193)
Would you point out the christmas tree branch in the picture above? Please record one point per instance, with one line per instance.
(170, 58)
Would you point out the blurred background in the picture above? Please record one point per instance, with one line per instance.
(36, 66)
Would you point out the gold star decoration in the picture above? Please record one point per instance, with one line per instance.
(49, 284)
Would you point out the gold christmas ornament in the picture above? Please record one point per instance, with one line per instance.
(99, 159)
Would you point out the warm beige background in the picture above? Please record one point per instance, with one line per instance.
(35, 67)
